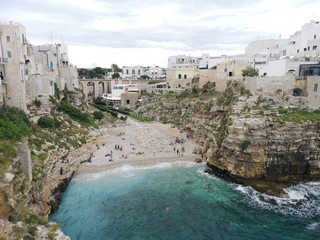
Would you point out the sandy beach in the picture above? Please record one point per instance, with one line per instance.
(137, 144)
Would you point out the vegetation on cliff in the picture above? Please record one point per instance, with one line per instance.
(53, 128)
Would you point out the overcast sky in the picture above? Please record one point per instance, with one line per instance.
(147, 32)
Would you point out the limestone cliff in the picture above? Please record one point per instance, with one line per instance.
(245, 136)
(33, 178)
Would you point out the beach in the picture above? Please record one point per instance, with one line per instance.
(137, 144)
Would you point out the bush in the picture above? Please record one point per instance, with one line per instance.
(99, 101)
(250, 72)
(37, 103)
(245, 144)
(76, 114)
(48, 122)
(282, 110)
(14, 123)
(98, 115)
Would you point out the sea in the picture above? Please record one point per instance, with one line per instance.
(179, 201)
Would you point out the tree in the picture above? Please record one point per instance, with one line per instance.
(115, 68)
(250, 72)
(115, 75)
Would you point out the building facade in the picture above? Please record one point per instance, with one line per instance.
(13, 64)
(29, 72)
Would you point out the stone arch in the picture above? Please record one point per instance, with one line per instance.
(81, 86)
(91, 89)
(101, 88)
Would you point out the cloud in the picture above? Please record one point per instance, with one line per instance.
(155, 28)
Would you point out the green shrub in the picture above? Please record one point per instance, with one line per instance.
(14, 123)
(282, 110)
(76, 114)
(37, 103)
(245, 144)
(98, 115)
(48, 122)
(99, 101)
(56, 91)
(140, 117)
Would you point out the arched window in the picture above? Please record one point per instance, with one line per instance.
(128, 101)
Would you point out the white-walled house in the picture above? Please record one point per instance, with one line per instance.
(13, 64)
(28, 72)
(117, 91)
(133, 72)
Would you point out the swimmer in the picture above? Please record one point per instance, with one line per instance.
(167, 209)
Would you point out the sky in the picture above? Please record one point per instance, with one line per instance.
(146, 32)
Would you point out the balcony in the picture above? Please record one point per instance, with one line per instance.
(3, 60)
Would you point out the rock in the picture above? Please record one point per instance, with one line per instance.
(9, 177)
(198, 160)
(197, 150)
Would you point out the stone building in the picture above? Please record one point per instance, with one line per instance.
(181, 77)
(28, 72)
(129, 99)
(13, 56)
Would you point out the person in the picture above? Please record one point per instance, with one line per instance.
(61, 170)
(167, 209)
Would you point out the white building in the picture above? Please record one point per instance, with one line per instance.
(155, 72)
(13, 56)
(280, 57)
(117, 90)
(134, 72)
(28, 72)
(183, 61)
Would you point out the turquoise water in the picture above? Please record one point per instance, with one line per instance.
(130, 203)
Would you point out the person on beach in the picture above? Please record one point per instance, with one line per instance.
(61, 170)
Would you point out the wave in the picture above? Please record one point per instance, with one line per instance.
(129, 171)
(302, 200)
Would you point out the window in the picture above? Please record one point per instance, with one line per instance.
(305, 49)
(8, 38)
(315, 87)
(179, 76)
(133, 71)
(128, 101)
(9, 54)
(314, 48)
(127, 71)
(308, 48)
(139, 71)
(314, 36)
(185, 76)
(297, 50)
(51, 66)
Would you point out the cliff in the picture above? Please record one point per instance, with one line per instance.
(253, 139)
(34, 172)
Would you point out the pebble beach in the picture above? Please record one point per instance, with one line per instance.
(137, 144)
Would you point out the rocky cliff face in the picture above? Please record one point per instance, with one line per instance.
(246, 136)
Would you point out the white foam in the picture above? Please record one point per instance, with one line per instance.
(313, 226)
(129, 171)
(301, 200)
